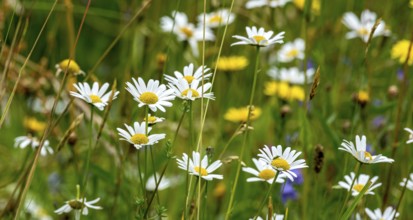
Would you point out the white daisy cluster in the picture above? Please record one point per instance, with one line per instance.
(274, 162)
(362, 27)
(191, 85)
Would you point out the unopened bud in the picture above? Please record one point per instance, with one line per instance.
(318, 158)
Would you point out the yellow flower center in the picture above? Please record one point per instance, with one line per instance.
(215, 19)
(363, 31)
(367, 155)
(280, 163)
(95, 99)
(201, 171)
(72, 68)
(193, 91)
(267, 174)
(139, 139)
(188, 32)
(358, 187)
(259, 38)
(148, 98)
(74, 204)
(292, 53)
(189, 79)
(363, 96)
(151, 119)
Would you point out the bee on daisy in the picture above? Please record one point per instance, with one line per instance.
(259, 37)
(198, 167)
(283, 161)
(263, 173)
(361, 154)
(359, 183)
(137, 135)
(154, 95)
(95, 95)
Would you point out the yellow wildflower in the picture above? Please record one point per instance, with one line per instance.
(232, 63)
(399, 51)
(297, 93)
(315, 5)
(73, 67)
(34, 125)
(241, 114)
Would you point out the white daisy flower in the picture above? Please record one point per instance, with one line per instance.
(271, 3)
(274, 217)
(409, 182)
(154, 95)
(33, 142)
(37, 212)
(217, 18)
(362, 28)
(388, 214)
(259, 37)
(291, 75)
(185, 30)
(292, 50)
(359, 183)
(361, 154)
(410, 135)
(136, 135)
(264, 172)
(189, 74)
(95, 95)
(282, 161)
(198, 167)
(77, 205)
(153, 119)
(187, 91)
(165, 183)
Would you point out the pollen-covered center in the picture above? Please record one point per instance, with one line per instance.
(139, 139)
(75, 204)
(148, 98)
(267, 174)
(292, 53)
(367, 155)
(201, 171)
(280, 163)
(358, 187)
(151, 119)
(193, 91)
(95, 99)
(363, 31)
(187, 31)
(189, 79)
(215, 19)
(259, 38)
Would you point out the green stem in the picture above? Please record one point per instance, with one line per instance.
(188, 182)
(402, 195)
(357, 171)
(234, 187)
(267, 195)
(230, 140)
(89, 152)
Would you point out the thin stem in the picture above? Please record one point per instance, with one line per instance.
(230, 140)
(357, 171)
(402, 195)
(188, 180)
(234, 187)
(267, 194)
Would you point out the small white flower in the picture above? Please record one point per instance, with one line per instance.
(164, 184)
(359, 151)
(94, 95)
(217, 18)
(153, 119)
(264, 172)
(259, 37)
(33, 142)
(189, 74)
(184, 90)
(199, 168)
(154, 95)
(136, 135)
(388, 214)
(362, 28)
(185, 30)
(37, 212)
(291, 75)
(292, 50)
(409, 182)
(271, 3)
(77, 204)
(274, 217)
(410, 135)
(359, 184)
(284, 161)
